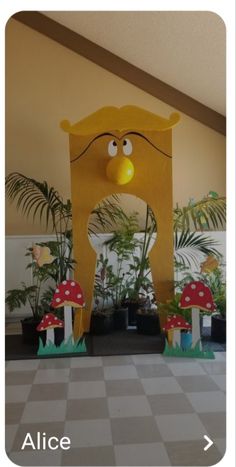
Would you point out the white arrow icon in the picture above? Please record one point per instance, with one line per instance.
(209, 443)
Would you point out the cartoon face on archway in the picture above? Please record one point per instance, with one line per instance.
(112, 151)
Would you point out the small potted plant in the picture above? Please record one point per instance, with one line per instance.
(147, 317)
(102, 321)
(36, 295)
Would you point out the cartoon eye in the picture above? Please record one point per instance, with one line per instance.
(112, 148)
(127, 147)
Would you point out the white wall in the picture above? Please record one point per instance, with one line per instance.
(16, 261)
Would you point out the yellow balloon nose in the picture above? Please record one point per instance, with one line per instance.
(120, 170)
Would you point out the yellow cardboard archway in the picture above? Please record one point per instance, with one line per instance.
(122, 150)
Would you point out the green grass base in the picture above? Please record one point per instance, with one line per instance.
(64, 348)
(195, 352)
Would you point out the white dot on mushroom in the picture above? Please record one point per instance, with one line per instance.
(79, 295)
(201, 294)
(193, 286)
(57, 291)
(187, 299)
(67, 292)
(73, 284)
(208, 305)
(58, 300)
(64, 282)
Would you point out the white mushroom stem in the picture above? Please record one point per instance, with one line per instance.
(68, 330)
(50, 336)
(196, 336)
(176, 338)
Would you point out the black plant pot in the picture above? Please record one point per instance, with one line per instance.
(132, 310)
(120, 319)
(30, 335)
(148, 324)
(218, 328)
(101, 323)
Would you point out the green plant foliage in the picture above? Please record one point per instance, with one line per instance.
(207, 214)
(64, 348)
(38, 198)
(17, 297)
(171, 307)
(188, 245)
(195, 352)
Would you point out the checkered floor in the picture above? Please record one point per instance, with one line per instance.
(123, 410)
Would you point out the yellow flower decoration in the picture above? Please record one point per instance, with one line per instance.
(210, 264)
(42, 255)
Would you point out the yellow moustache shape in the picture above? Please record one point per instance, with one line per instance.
(120, 170)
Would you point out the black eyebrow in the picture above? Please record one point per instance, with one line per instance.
(136, 133)
(91, 142)
(148, 140)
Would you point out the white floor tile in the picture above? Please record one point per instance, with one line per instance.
(148, 359)
(46, 411)
(120, 372)
(186, 368)
(180, 427)
(162, 385)
(211, 401)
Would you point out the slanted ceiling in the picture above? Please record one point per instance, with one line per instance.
(178, 57)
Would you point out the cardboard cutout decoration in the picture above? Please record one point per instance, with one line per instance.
(42, 255)
(174, 325)
(198, 297)
(68, 294)
(122, 150)
(209, 265)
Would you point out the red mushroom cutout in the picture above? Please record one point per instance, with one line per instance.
(68, 294)
(174, 325)
(197, 295)
(48, 324)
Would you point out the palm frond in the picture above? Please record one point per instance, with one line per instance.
(33, 196)
(189, 246)
(208, 213)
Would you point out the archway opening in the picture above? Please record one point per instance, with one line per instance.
(122, 230)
